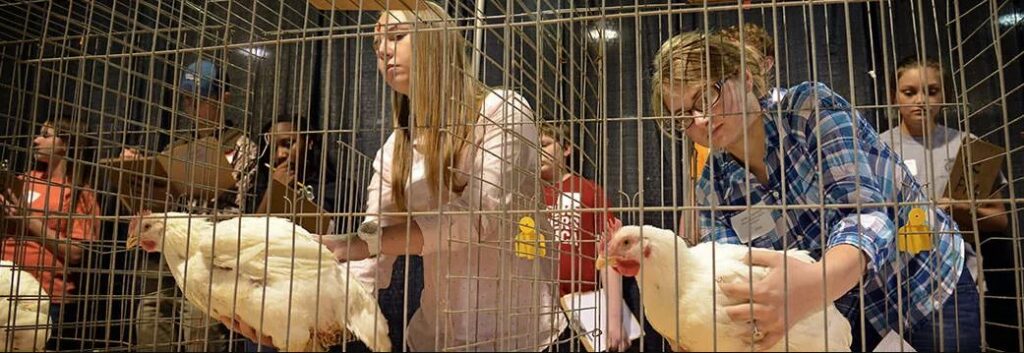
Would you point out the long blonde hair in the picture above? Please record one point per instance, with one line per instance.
(693, 57)
(444, 105)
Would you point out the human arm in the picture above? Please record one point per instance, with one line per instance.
(396, 230)
(68, 248)
(395, 240)
(858, 241)
(992, 215)
(617, 340)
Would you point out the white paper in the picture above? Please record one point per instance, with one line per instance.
(894, 343)
(582, 309)
(32, 196)
(753, 223)
(911, 166)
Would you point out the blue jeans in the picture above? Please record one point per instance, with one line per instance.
(960, 324)
(53, 342)
(391, 301)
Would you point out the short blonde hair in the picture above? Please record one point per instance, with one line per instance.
(693, 57)
(754, 36)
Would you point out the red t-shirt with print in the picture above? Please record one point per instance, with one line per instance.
(576, 231)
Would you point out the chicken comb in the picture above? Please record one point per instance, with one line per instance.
(143, 214)
(613, 226)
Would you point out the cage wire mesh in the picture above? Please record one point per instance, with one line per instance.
(234, 111)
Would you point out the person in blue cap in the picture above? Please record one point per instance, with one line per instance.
(165, 319)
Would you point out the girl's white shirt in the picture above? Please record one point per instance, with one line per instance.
(478, 294)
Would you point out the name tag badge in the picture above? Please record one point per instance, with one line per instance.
(911, 166)
(31, 196)
(753, 223)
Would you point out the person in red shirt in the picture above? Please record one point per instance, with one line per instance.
(577, 230)
(46, 226)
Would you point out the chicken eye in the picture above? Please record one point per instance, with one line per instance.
(146, 227)
(626, 242)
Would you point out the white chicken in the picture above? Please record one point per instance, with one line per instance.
(24, 309)
(264, 267)
(692, 300)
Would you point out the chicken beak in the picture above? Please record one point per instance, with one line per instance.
(604, 262)
(133, 229)
(133, 239)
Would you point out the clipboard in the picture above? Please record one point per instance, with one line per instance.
(590, 323)
(985, 166)
(10, 180)
(283, 201)
(197, 169)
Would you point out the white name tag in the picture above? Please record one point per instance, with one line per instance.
(31, 197)
(911, 166)
(894, 343)
(753, 223)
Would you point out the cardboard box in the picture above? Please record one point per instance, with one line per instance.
(290, 202)
(197, 169)
(986, 162)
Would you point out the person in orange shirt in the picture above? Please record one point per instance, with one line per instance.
(46, 223)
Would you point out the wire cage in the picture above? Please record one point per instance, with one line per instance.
(539, 129)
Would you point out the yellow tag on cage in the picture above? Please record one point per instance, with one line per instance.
(529, 243)
(916, 236)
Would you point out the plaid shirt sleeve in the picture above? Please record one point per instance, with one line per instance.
(849, 178)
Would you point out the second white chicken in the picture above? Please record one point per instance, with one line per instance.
(681, 301)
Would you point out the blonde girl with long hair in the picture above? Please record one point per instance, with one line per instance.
(453, 182)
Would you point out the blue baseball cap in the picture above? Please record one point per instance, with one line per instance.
(206, 76)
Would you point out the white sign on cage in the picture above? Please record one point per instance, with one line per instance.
(587, 312)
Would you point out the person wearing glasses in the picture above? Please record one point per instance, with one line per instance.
(812, 149)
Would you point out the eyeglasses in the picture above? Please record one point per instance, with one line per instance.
(684, 119)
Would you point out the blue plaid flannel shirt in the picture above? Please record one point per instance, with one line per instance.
(854, 167)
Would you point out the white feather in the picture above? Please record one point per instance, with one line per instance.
(24, 309)
(275, 277)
